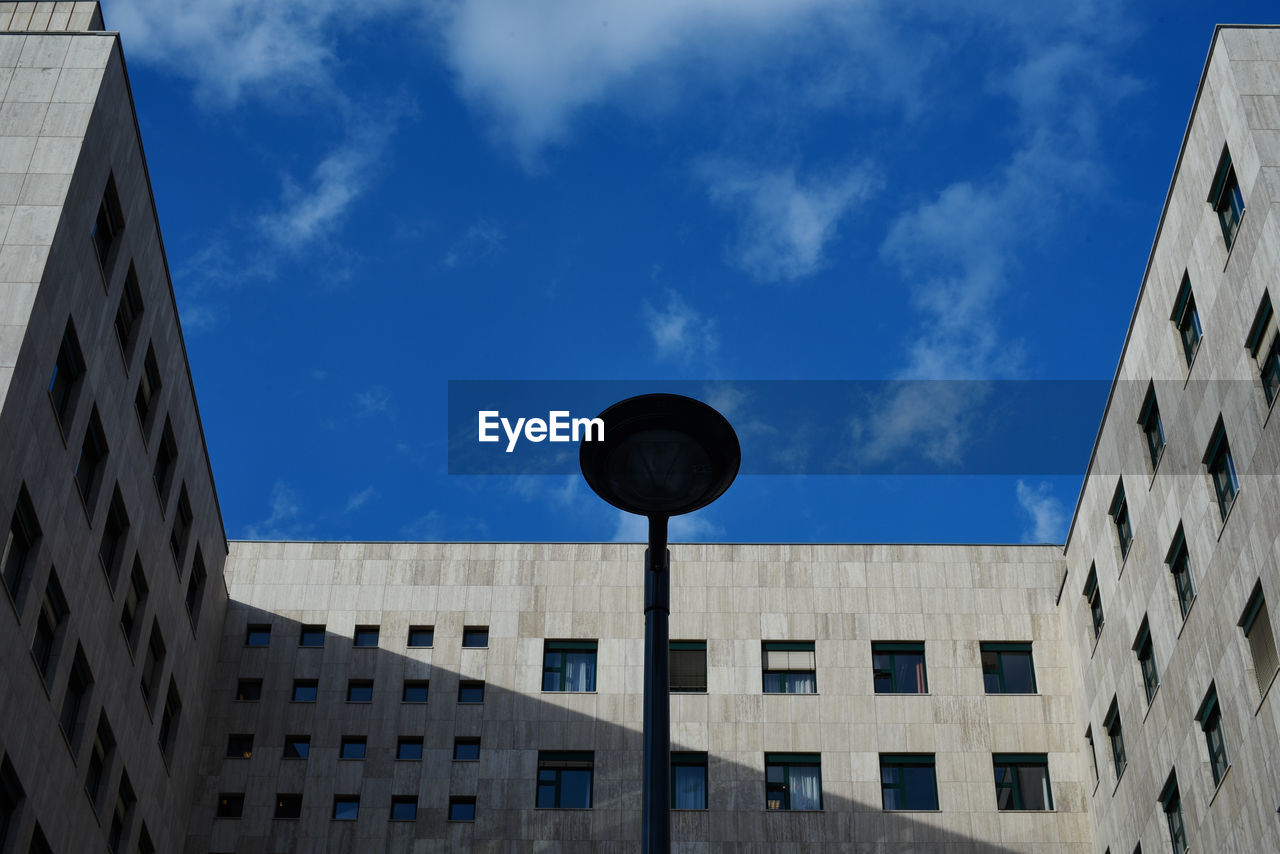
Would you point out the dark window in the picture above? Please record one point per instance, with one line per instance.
(569, 666)
(353, 747)
(360, 691)
(1022, 781)
(108, 224)
(688, 781)
(409, 747)
(297, 746)
(148, 387)
(93, 454)
(248, 690)
(366, 636)
(288, 805)
(195, 587)
(311, 636)
(1255, 622)
(40, 845)
(181, 530)
(304, 690)
(1152, 427)
(688, 663)
(564, 779)
(908, 781)
(145, 845)
(1222, 470)
(471, 691)
(1094, 598)
(1210, 718)
(120, 816)
(1270, 371)
(422, 636)
(19, 542)
(11, 798)
(1268, 360)
(466, 750)
(135, 601)
(50, 628)
(257, 634)
(1093, 753)
(1226, 198)
(104, 745)
(230, 804)
(1142, 647)
(793, 781)
(129, 311)
(475, 636)
(240, 746)
(114, 530)
(1120, 517)
(462, 808)
(1187, 319)
(76, 699)
(899, 668)
(1171, 803)
(1007, 668)
(415, 691)
(1179, 562)
(346, 807)
(169, 721)
(789, 667)
(405, 808)
(1115, 735)
(166, 456)
(153, 665)
(68, 371)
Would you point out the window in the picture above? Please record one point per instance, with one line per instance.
(1210, 718)
(1152, 428)
(129, 311)
(688, 663)
(365, 636)
(471, 691)
(135, 601)
(1094, 598)
(415, 691)
(181, 529)
(688, 781)
(1007, 668)
(165, 459)
(148, 388)
(145, 845)
(297, 746)
(230, 804)
(257, 634)
(360, 691)
(114, 530)
(1222, 470)
(104, 745)
(1268, 359)
(311, 636)
(1179, 562)
(304, 690)
(569, 666)
(1022, 781)
(248, 690)
(346, 807)
(404, 808)
(76, 698)
(50, 626)
(19, 542)
(1115, 735)
(475, 636)
(240, 746)
(93, 454)
(1256, 625)
(353, 747)
(11, 798)
(1270, 371)
(169, 721)
(462, 809)
(1120, 516)
(422, 636)
(1187, 320)
(1142, 647)
(466, 750)
(288, 805)
(108, 224)
(40, 845)
(1226, 198)
(68, 371)
(410, 747)
(908, 781)
(1171, 803)
(564, 779)
(125, 801)
(789, 667)
(793, 781)
(153, 665)
(1093, 753)
(195, 588)
(898, 668)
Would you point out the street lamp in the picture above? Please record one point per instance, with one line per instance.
(663, 455)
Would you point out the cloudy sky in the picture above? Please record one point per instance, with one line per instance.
(364, 201)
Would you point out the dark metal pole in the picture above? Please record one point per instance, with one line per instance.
(656, 832)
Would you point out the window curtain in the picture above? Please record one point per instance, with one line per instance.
(806, 787)
(691, 787)
(801, 683)
(580, 672)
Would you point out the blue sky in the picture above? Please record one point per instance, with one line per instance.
(361, 202)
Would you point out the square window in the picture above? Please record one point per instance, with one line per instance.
(1171, 804)
(365, 637)
(404, 808)
(1255, 622)
(20, 541)
(353, 747)
(248, 690)
(409, 747)
(415, 691)
(1179, 562)
(1210, 718)
(346, 807)
(68, 371)
(1094, 598)
(1152, 427)
(564, 779)
(1115, 734)
(471, 691)
(305, 690)
(908, 781)
(230, 804)
(297, 746)
(240, 746)
(1007, 668)
(1120, 517)
(793, 781)
(311, 636)
(1226, 198)
(688, 781)
(1222, 470)
(899, 668)
(1143, 649)
(475, 636)
(466, 750)
(360, 691)
(422, 636)
(289, 805)
(258, 634)
(462, 809)
(1187, 320)
(1022, 781)
(569, 666)
(789, 667)
(688, 666)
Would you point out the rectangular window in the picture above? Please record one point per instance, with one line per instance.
(93, 457)
(148, 389)
(230, 804)
(564, 779)
(311, 636)
(240, 746)
(1093, 753)
(569, 666)
(353, 747)
(1222, 470)
(76, 699)
(898, 668)
(169, 720)
(790, 667)
(107, 225)
(195, 588)
(1268, 360)
(19, 543)
(115, 528)
(135, 603)
(1270, 371)
(360, 691)
(288, 805)
(181, 531)
(471, 691)
(1187, 320)
(1226, 198)
(475, 636)
(297, 746)
(153, 665)
(1022, 781)
(68, 373)
(1152, 428)
(129, 312)
(405, 808)
(1094, 598)
(688, 781)
(166, 457)
(688, 663)
(1007, 668)
(1171, 803)
(1210, 718)
(121, 816)
(415, 691)
(104, 745)
(1179, 562)
(248, 690)
(793, 781)
(1120, 517)
(1255, 622)
(257, 634)
(1115, 735)
(466, 750)
(422, 636)
(11, 798)
(365, 637)
(409, 747)
(145, 845)
(346, 807)
(908, 781)
(1143, 648)
(305, 690)
(40, 845)
(50, 628)
(462, 808)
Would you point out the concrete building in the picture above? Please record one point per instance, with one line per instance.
(183, 693)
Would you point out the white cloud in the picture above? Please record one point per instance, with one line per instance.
(481, 240)
(359, 499)
(373, 401)
(282, 522)
(786, 220)
(687, 529)
(679, 333)
(1048, 516)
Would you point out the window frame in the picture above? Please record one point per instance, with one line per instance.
(689, 759)
(1152, 426)
(1221, 467)
(1093, 597)
(782, 788)
(1016, 762)
(366, 637)
(404, 801)
(1257, 617)
(467, 742)
(410, 642)
(471, 634)
(900, 762)
(415, 684)
(351, 745)
(1186, 319)
(784, 676)
(893, 649)
(1227, 199)
(356, 690)
(344, 804)
(304, 684)
(467, 689)
(564, 649)
(1144, 651)
(557, 762)
(307, 635)
(462, 801)
(687, 649)
(1178, 559)
(288, 806)
(1209, 716)
(1171, 804)
(405, 741)
(1122, 521)
(1114, 728)
(297, 747)
(1000, 649)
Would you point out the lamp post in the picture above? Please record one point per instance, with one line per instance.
(662, 455)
